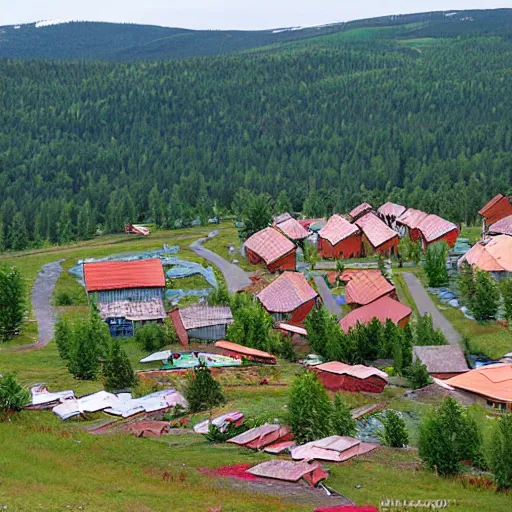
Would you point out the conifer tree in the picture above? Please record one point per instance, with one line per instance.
(63, 337)
(485, 300)
(506, 291)
(18, 232)
(13, 397)
(283, 203)
(2, 236)
(500, 460)
(342, 423)
(395, 433)
(435, 264)
(12, 302)
(118, 373)
(203, 392)
(419, 376)
(86, 225)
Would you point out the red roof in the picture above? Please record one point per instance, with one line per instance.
(120, 275)
(390, 209)
(269, 245)
(377, 232)
(502, 227)
(293, 229)
(358, 370)
(411, 218)
(492, 255)
(360, 210)
(433, 227)
(381, 309)
(286, 293)
(337, 229)
(496, 209)
(347, 508)
(245, 351)
(305, 223)
(366, 286)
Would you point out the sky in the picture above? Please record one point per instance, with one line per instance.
(225, 14)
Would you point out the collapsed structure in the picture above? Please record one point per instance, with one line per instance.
(491, 255)
(337, 376)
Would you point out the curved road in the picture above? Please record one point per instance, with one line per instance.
(426, 305)
(236, 278)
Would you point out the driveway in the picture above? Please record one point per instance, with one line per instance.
(236, 278)
(327, 296)
(426, 305)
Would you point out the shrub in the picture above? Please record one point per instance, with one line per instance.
(153, 337)
(435, 264)
(342, 423)
(13, 397)
(63, 337)
(63, 299)
(485, 300)
(395, 433)
(506, 290)
(500, 460)
(117, 370)
(203, 392)
(419, 376)
(12, 302)
(216, 435)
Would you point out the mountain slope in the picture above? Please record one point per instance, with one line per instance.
(111, 41)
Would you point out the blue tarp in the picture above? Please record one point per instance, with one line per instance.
(340, 300)
(177, 295)
(181, 268)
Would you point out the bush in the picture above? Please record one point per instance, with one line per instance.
(342, 423)
(63, 299)
(153, 337)
(395, 433)
(203, 392)
(500, 460)
(419, 376)
(13, 397)
(216, 435)
(63, 337)
(485, 300)
(117, 370)
(435, 264)
(506, 291)
(12, 302)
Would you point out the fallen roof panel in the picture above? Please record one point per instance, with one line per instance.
(245, 351)
(359, 371)
(392, 210)
(286, 470)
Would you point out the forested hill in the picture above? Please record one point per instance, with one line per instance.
(426, 122)
(88, 40)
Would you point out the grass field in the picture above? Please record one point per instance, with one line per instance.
(50, 465)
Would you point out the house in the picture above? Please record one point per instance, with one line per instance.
(377, 235)
(272, 249)
(492, 255)
(333, 448)
(337, 376)
(289, 297)
(382, 309)
(126, 292)
(360, 210)
(340, 239)
(489, 385)
(201, 322)
(389, 212)
(434, 229)
(442, 361)
(502, 227)
(292, 229)
(497, 208)
(366, 286)
(237, 351)
(408, 223)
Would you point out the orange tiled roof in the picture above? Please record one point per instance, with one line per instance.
(269, 244)
(366, 286)
(337, 229)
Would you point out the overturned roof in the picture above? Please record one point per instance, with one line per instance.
(249, 353)
(381, 309)
(286, 293)
(392, 210)
(433, 227)
(360, 210)
(269, 244)
(496, 209)
(492, 381)
(132, 310)
(442, 358)
(502, 227)
(412, 218)
(377, 232)
(492, 255)
(358, 371)
(195, 317)
(286, 470)
(292, 229)
(366, 286)
(120, 275)
(333, 448)
(337, 229)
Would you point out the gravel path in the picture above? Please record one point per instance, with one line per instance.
(41, 298)
(236, 278)
(327, 296)
(426, 305)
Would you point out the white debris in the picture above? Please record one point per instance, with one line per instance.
(41, 395)
(49, 23)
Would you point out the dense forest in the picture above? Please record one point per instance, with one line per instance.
(426, 123)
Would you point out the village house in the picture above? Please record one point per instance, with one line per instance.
(377, 236)
(272, 249)
(366, 286)
(434, 229)
(292, 229)
(339, 239)
(442, 361)
(289, 297)
(408, 223)
(389, 212)
(201, 322)
(126, 292)
(337, 376)
(491, 255)
(382, 309)
(360, 210)
(497, 208)
(502, 227)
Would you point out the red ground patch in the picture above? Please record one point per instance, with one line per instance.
(238, 471)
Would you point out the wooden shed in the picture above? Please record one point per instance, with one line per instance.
(442, 361)
(337, 376)
(435, 229)
(272, 249)
(340, 239)
(497, 208)
(377, 235)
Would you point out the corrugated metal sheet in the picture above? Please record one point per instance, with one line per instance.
(270, 245)
(118, 275)
(359, 371)
(199, 316)
(285, 470)
(337, 229)
(333, 448)
(208, 333)
(377, 232)
(130, 294)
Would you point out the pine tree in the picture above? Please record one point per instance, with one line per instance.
(506, 291)
(19, 234)
(65, 226)
(342, 423)
(309, 409)
(283, 203)
(500, 460)
(435, 264)
(12, 302)
(485, 300)
(256, 214)
(156, 206)
(419, 376)
(395, 433)
(118, 373)
(2, 236)
(63, 337)
(203, 392)
(466, 283)
(316, 325)
(13, 397)
(86, 225)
